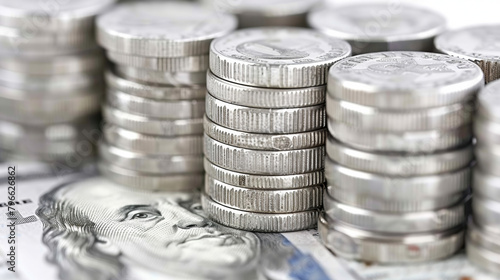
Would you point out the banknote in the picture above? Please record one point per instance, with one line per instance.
(82, 226)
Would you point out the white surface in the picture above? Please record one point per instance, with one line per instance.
(460, 13)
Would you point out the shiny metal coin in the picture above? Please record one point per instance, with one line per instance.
(152, 126)
(164, 109)
(249, 181)
(394, 188)
(399, 164)
(120, 84)
(259, 120)
(483, 257)
(486, 185)
(150, 163)
(408, 205)
(394, 222)
(405, 80)
(155, 145)
(276, 57)
(264, 201)
(264, 162)
(486, 213)
(479, 44)
(62, 16)
(487, 132)
(488, 157)
(383, 120)
(164, 64)
(151, 182)
(168, 29)
(356, 244)
(162, 78)
(264, 97)
(268, 142)
(488, 102)
(377, 27)
(53, 65)
(403, 141)
(266, 13)
(482, 238)
(261, 222)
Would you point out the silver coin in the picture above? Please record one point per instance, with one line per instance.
(383, 120)
(486, 213)
(154, 145)
(151, 182)
(259, 120)
(487, 132)
(40, 109)
(377, 186)
(404, 80)
(356, 244)
(264, 97)
(488, 102)
(479, 44)
(399, 164)
(404, 141)
(261, 222)
(390, 223)
(162, 78)
(264, 162)
(483, 257)
(482, 238)
(61, 16)
(264, 201)
(164, 64)
(152, 126)
(155, 92)
(266, 13)
(408, 205)
(268, 142)
(486, 185)
(148, 163)
(53, 65)
(164, 109)
(488, 157)
(168, 29)
(262, 181)
(67, 82)
(377, 27)
(276, 57)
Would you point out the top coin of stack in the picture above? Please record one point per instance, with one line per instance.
(156, 95)
(399, 156)
(479, 44)
(50, 79)
(483, 246)
(257, 13)
(265, 127)
(380, 27)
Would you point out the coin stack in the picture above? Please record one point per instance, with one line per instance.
(260, 13)
(265, 127)
(380, 27)
(156, 94)
(483, 243)
(51, 81)
(399, 156)
(479, 44)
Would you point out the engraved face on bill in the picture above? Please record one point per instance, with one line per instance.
(405, 70)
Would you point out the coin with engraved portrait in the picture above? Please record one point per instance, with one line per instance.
(380, 27)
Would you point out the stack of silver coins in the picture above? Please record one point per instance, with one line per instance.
(51, 80)
(156, 92)
(378, 27)
(483, 244)
(479, 44)
(260, 13)
(398, 156)
(265, 127)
